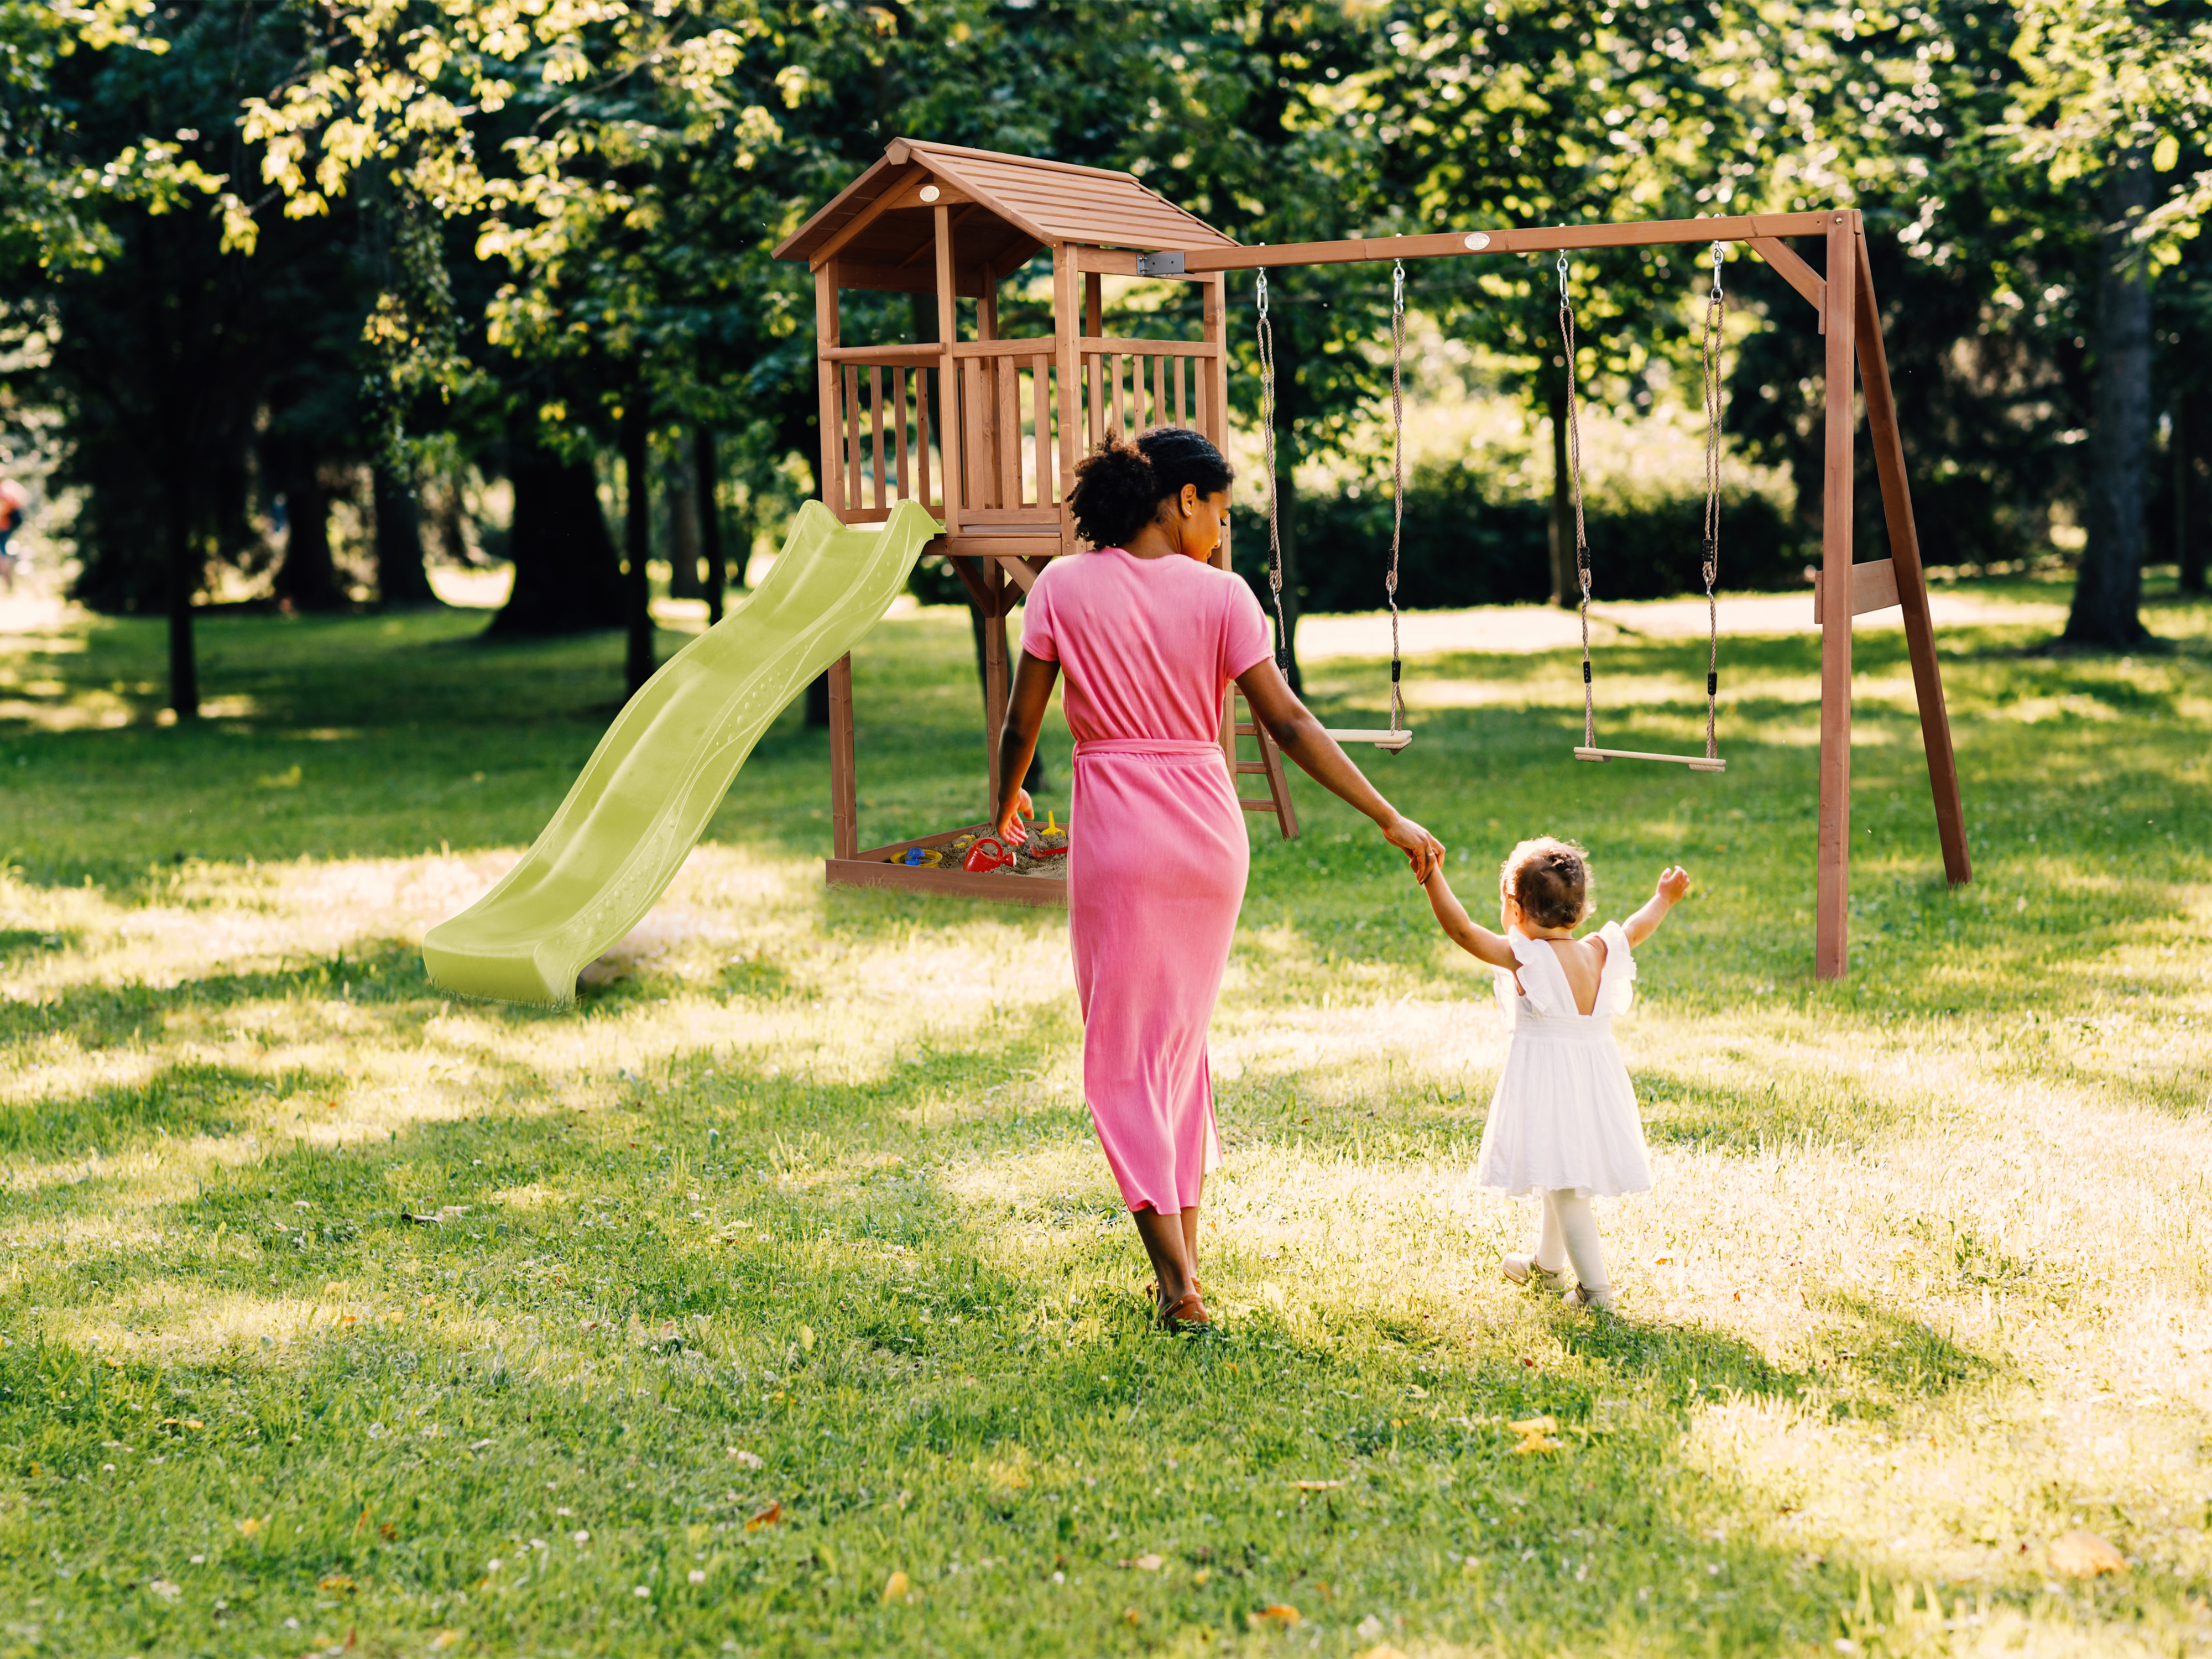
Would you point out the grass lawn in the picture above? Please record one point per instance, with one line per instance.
(776, 1299)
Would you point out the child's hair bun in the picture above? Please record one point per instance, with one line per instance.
(1549, 880)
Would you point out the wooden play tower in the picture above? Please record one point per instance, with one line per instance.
(985, 432)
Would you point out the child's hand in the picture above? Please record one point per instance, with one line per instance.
(1674, 883)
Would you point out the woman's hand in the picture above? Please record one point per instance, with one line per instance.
(1009, 826)
(1423, 851)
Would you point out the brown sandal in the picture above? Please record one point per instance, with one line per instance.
(1188, 1314)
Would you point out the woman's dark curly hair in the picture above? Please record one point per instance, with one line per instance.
(1120, 485)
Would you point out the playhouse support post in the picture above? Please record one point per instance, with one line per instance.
(994, 669)
(948, 377)
(1066, 326)
(1888, 444)
(826, 341)
(844, 796)
(1831, 915)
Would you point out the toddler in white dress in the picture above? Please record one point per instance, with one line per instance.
(1564, 1123)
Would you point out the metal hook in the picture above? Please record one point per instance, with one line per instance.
(1563, 272)
(1716, 267)
(1397, 288)
(1263, 292)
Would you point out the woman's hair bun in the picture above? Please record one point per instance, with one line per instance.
(1120, 485)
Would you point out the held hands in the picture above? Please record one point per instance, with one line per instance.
(1673, 883)
(1016, 807)
(1423, 853)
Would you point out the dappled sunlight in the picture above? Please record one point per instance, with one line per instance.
(800, 1203)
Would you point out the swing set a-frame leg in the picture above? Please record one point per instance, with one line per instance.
(1855, 354)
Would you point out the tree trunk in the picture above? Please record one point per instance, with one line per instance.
(2191, 435)
(307, 580)
(1287, 502)
(1566, 583)
(683, 497)
(637, 541)
(185, 573)
(566, 579)
(2108, 592)
(706, 475)
(401, 579)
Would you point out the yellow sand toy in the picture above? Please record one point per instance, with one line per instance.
(646, 795)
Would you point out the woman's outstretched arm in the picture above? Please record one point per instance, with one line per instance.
(1299, 735)
(1034, 678)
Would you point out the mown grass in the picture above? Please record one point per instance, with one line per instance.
(338, 1312)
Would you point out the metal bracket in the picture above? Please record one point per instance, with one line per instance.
(1160, 265)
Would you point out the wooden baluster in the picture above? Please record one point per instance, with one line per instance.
(852, 498)
(1094, 372)
(921, 436)
(1159, 391)
(898, 419)
(1121, 417)
(1178, 391)
(1009, 444)
(973, 414)
(1040, 396)
(876, 416)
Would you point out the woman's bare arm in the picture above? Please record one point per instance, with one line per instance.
(1470, 935)
(1034, 678)
(1299, 735)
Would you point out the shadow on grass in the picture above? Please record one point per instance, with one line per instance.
(189, 1098)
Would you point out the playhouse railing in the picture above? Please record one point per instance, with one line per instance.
(890, 416)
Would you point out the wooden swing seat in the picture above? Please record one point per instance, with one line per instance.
(1695, 763)
(1393, 741)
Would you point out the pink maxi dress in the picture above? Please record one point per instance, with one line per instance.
(1157, 857)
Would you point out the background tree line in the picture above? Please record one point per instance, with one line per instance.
(265, 251)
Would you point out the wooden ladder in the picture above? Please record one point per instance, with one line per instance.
(1237, 722)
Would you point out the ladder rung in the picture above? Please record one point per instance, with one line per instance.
(1244, 731)
(1695, 763)
(1251, 766)
(1263, 804)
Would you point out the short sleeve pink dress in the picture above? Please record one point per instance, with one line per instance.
(1157, 857)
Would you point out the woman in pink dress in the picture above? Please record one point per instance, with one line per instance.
(1150, 635)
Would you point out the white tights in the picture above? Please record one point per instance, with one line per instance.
(1570, 1231)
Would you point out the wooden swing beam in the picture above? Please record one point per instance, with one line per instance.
(1844, 303)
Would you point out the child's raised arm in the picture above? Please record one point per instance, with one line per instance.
(1673, 881)
(1471, 936)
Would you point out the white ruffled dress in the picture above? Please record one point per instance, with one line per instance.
(1564, 1113)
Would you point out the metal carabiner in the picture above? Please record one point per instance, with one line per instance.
(1563, 273)
(1716, 267)
(1397, 288)
(1263, 292)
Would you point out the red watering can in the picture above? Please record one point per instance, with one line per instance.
(988, 855)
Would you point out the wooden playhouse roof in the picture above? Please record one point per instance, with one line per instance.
(1006, 207)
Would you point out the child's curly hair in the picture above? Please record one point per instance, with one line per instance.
(1550, 879)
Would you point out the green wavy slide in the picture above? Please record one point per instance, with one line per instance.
(645, 796)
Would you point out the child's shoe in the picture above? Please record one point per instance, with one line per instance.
(1522, 1268)
(1583, 1296)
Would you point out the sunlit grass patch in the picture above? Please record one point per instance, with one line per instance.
(785, 1270)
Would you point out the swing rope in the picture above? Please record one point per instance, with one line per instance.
(1710, 353)
(1716, 315)
(1397, 477)
(1274, 524)
(1575, 482)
